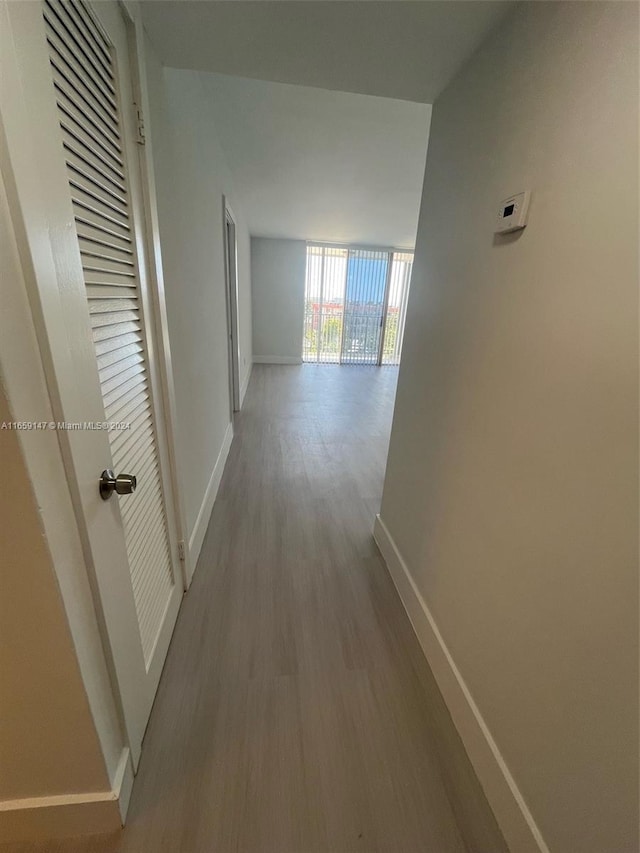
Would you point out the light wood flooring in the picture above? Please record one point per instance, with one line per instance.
(296, 712)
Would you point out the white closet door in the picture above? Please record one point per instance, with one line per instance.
(82, 63)
(89, 67)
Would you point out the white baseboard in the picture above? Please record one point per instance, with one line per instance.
(276, 359)
(511, 812)
(202, 521)
(245, 383)
(66, 815)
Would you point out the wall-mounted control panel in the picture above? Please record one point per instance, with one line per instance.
(512, 214)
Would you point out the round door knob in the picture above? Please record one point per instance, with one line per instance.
(122, 484)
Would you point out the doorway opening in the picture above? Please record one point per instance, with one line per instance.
(231, 273)
(355, 305)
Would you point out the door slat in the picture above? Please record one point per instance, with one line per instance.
(85, 85)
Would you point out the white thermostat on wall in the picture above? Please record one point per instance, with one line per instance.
(512, 214)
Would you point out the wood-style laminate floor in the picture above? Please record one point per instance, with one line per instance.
(292, 715)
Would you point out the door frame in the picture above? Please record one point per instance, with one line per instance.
(31, 211)
(156, 289)
(231, 287)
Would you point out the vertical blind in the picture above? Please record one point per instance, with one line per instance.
(355, 305)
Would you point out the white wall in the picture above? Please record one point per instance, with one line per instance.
(48, 742)
(191, 178)
(511, 487)
(278, 275)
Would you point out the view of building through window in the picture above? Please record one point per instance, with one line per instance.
(355, 305)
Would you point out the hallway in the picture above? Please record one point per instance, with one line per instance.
(294, 713)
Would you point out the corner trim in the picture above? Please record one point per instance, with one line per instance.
(245, 384)
(65, 815)
(123, 783)
(276, 359)
(512, 814)
(202, 521)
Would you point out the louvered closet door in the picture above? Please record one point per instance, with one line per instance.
(89, 64)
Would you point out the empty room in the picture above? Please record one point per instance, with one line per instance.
(319, 389)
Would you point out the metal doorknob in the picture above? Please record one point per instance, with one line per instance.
(122, 484)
